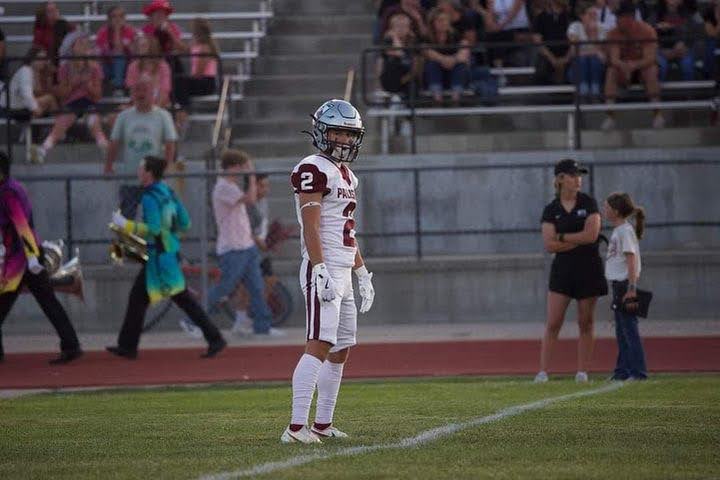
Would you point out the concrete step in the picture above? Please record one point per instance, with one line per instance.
(557, 139)
(291, 84)
(274, 106)
(323, 8)
(323, 25)
(252, 129)
(315, 44)
(268, 64)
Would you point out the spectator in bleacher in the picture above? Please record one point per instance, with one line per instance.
(114, 40)
(203, 70)
(551, 25)
(401, 67)
(461, 19)
(711, 18)
(511, 25)
(46, 16)
(674, 19)
(142, 130)
(630, 61)
(412, 9)
(27, 98)
(79, 90)
(61, 30)
(588, 64)
(167, 33)
(446, 67)
(153, 66)
(607, 9)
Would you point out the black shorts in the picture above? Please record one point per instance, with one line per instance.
(578, 278)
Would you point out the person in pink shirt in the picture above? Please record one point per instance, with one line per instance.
(154, 66)
(114, 40)
(238, 256)
(203, 69)
(79, 90)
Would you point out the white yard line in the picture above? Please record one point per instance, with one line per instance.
(410, 442)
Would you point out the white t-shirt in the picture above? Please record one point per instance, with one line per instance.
(231, 217)
(21, 90)
(623, 240)
(577, 30)
(337, 222)
(502, 11)
(141, 134)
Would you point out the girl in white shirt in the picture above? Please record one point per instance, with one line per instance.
(622, 269)
(25, 99)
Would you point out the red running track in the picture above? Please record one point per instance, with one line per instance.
(272, 363)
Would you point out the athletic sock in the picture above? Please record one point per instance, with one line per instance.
(304, 380)
(328, 386)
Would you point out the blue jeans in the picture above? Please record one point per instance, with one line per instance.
(631, 356)
(687, 66)
(243, 266)
(709, 58)
(437, 78)
(587, 73)
(114, 70)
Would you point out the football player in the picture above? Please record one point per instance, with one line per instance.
(325, 204)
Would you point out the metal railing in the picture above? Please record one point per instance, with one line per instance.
(418, 232)
(575, 109)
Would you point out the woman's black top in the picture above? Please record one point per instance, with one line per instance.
(572, 222)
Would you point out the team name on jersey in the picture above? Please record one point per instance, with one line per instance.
(346, 193)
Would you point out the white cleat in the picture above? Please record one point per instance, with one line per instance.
(581, 377)
(541, 377)
(304, 435)
(329, 432)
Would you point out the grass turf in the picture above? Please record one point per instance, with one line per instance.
(668, 427)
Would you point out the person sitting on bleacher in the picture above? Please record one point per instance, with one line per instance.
(588, 65)
(203, 71)
(79, 90)
(413, 10)
(447, 66)
(629, 62)
(551, 25)
(153, 66)
(675, 19)
(511, 24)
(28, 99)
(711, 17)
(114, 40)
(46, 16)
(400, 67)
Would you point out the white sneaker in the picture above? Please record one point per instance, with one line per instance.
(276, 332)
(329, 432)
(581, 377)
(242, 325)
(608, 124)
(37, 154)
(541, 377)
(304, 435)
(190, 328)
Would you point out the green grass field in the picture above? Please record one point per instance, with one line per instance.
(668, 427)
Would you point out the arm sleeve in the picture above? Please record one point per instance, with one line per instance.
(227, 194)
(547, 215)
(169, 132)
(183, 217)
(628, 244)
(22, 226)
(118, 128)
(307, 178)
(26, 88)
(153, 221)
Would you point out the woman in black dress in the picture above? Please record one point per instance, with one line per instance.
(570, 230)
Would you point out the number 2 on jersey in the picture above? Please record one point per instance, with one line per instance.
(306, 180)
(349, 227)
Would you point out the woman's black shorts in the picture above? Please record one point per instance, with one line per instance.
(578, 278)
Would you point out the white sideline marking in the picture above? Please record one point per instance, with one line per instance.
(422, 438)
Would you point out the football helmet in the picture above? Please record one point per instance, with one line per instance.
(337, 115)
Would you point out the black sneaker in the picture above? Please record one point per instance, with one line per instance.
(214, 348)
(121, 352)
(66, 356)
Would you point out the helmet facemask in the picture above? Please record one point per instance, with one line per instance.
(343, 152)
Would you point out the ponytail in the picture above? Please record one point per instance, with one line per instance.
(624, 206)
(639, 221)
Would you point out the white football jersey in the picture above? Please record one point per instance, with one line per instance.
(337, 183)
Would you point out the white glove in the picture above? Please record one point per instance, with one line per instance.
(323, 282)
(367, 292)
(34, 265)
(118, 219)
